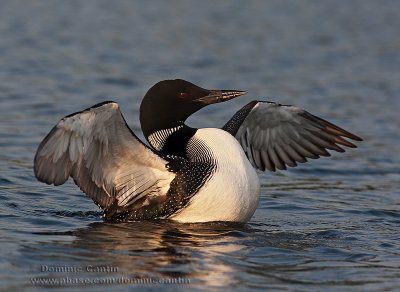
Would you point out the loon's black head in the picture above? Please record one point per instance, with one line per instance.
(170, 102)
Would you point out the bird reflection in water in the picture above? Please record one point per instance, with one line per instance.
(162, 249)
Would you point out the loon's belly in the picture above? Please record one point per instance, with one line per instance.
(232, 192)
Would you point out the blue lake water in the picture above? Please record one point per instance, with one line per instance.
(331, 224)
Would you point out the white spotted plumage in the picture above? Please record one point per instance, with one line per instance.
(232, 192)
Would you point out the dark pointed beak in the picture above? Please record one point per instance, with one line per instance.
(216, 96)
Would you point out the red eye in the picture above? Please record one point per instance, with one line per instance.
(183, 95)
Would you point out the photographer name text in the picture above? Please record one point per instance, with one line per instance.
(79, 269)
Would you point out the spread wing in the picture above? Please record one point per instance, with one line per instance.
(275, 136)
(106, 160)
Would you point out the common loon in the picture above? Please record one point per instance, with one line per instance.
(186, 174)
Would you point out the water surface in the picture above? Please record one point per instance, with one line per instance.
(330, 224)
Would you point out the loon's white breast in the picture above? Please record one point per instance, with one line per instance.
(232, 192)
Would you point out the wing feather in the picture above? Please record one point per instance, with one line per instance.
(267, 161)
(106, 160)
(275, 136)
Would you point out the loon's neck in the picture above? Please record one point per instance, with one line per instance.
(172, 140)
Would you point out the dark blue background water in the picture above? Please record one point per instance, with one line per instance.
(330, 224)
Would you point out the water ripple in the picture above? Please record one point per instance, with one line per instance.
(332, 223)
